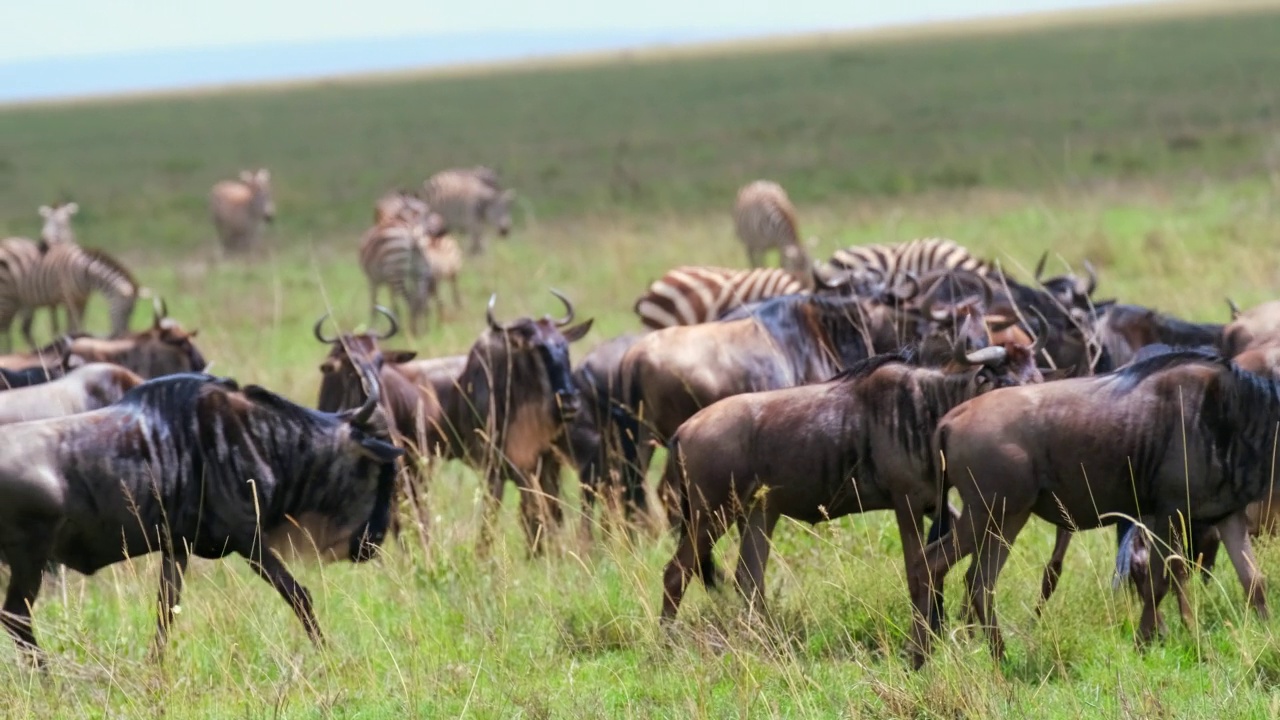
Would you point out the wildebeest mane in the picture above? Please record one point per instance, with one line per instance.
(907, 355)
(1134, 373)
(174, 395)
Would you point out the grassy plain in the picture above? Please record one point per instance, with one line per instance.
(1150, 146)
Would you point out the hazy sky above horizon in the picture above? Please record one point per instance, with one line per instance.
(92, 27)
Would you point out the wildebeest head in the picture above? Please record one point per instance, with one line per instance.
(498, 211)
(259, 181)
(340, 384)
(534, 354)
(1069, 290)
(996, 366)
(165, 348)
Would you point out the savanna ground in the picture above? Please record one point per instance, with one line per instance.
(1148, 144)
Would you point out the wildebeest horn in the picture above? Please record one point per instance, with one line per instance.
(494, 325)
(1042, 332)
(1092, 282)
(1040, 265)
(568, 306)
(320, 335)
(391, 318)
(373, 391)
(986, 356)
(1235, 309)
(159, 309)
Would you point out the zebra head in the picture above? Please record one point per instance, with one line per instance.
(57, 222)
(498, 211)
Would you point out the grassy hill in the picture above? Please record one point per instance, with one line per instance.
(1148, 142)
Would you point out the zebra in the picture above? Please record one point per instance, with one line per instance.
(689, 295)
(765, 219)
(57, 223)
(444, 255)
(890, 264)
(240, 207)
(391, 254)
(468, 201)
(64, 274)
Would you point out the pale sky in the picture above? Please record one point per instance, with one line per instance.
(38, 30)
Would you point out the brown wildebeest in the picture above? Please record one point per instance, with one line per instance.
(856, 443)
(1259, 326)
(517, 396)
(164, 348)
(1180, 434)
(1123, 330)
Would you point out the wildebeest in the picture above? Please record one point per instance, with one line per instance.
(1181, 434)
(859, 442)
(88, 387)
(1257, 327)
(516, 396)
(240, 207)
(28, 376)
(190, 464)
(1123, 330)
(164, 348)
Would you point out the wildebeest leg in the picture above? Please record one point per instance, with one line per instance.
(692, 554)
(26, 572)
(988, 562)
(1235, 536)
(1053, 570)
(269, 568)
(173, 565)
(497, 484)
(540, 502)
(939, 557)
(1157, 582)
(910, 528)
(753, 556)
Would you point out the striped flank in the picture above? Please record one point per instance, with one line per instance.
(689, 295)
(915, 257)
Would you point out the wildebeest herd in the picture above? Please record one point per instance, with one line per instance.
(879, 379)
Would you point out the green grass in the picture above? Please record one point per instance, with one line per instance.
(1150, 148)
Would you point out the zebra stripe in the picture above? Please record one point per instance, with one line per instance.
(391, 254)
(891, 263)
(468, 201)
(765, 219)
(689, 295)
(63, 274)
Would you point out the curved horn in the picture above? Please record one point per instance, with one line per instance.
(568, 306)
(320, 335)
(494, 325)
(1235, 309)
(391, 318)
(373, 392)
(1040, 265)
(159, 307)
(1042, 332)
(987, 355)
(1092, 284)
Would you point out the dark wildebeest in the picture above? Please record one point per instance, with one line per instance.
(26, 377)
(190, 464)
(88, 387)
(517, 395)
(856, 443)
(1181, 434)
(165, 348)
(602, 435)
(1257, 327)
(1123, 330)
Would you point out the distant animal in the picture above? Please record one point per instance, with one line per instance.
(1180, 435)
(85, 388)
(399, 205)
(57, 223)
(240, 207)
(765, 220)
(891, 264)
(445, 258)
(165, 348)
(689, 295)
(64, 275)
(392, 254)
(856, 443)
(190, 464)
(468, 203)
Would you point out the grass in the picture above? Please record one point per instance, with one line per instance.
(1149, 147)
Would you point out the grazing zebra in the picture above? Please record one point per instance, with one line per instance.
(64, 274)
(891, 263)
(765, 219)
(240, 207)
(689, 295)
(391, 254)
(444, 255)
(467, 202)
(57, 223)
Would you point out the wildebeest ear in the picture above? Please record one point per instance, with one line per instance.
(577, 332)
(398, 356)
(380, 450)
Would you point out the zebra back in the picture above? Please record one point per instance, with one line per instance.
(690, 295)
(391, 253)
(764, 217)
(892, 262)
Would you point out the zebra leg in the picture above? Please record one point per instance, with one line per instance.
(28, 319)
(476, 247)
(457, 300)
